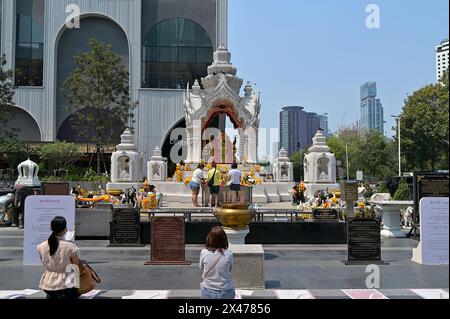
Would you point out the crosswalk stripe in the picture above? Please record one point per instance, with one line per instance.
(364, 294)
(431, 293)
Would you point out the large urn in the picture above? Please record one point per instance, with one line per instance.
(235, 219)
(235, 216)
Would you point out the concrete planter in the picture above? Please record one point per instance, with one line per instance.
(391, 217)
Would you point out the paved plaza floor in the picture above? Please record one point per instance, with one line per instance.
(292, 271)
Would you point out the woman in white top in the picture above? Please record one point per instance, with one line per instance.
(235, 186)
(198, 178)
(216, 262)
(56, 255)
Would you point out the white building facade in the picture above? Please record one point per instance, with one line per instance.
(441, 59)
(166, 46)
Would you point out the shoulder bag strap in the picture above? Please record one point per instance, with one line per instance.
(212, 267)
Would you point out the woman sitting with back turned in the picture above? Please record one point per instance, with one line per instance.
(216, 262)
(56, 254)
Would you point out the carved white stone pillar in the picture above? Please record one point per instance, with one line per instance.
(251, 146)
(197, 142)
(222, 23)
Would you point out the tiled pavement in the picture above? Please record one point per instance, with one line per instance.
(249, 294)
(292, 271)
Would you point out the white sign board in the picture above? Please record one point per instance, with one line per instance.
(39, 212)
(359, 176)
(434, 247)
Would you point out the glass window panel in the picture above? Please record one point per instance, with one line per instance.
(24, 29)
(186, 33)
(204, 55)
(172, 53)
(186, 54)
(168, 33)
(29, 45)
(150, 54)
(202, 37)
(168, 54)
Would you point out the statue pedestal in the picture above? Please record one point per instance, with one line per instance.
(248, 267)
(236, 237)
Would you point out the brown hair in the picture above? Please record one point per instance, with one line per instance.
(217, 240)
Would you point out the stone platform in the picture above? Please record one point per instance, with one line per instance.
(181, 193)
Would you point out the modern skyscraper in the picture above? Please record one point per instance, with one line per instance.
(441, 59)
(324, 124)
(298, 127)
(372, 113)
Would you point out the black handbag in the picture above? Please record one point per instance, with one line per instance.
(211, 180)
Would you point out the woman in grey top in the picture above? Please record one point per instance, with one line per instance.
(216, 262)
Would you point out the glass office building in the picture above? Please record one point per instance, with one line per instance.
(372, 112)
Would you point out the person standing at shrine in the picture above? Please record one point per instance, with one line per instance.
(198, 179)
(214, 179)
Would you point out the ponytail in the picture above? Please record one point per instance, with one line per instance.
(58, 225)
(53, 243)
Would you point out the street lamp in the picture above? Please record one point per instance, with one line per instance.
(348, 167)
(398, 120)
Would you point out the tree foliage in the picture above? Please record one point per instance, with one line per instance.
(371, 152)
(297, 162)
(425, 127)
(59, 155)
(403, 192)
(14, 150)
(6, 100)
(99, 85)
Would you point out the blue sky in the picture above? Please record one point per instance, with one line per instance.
(318, 53)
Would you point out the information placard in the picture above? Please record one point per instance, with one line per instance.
(168, 241)
(364, 240)
(39, 212)
(433, 247)
(126, 228)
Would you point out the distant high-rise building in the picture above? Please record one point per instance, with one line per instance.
(275, 150)
(372, 113)
(441, 59)
(298, 127)
(324, 124)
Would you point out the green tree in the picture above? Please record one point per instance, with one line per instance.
(297, 162)
(425, 127)
(6, 100)
(14, 150)
(59, 155)
(382, 188)
(376, 156)
(369, 192)
(347, 138)
(99, 85)
(403, 192)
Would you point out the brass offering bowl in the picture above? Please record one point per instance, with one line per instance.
(235, 216)
(114, 192)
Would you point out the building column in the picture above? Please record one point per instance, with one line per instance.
(8, 32)
(222, 24)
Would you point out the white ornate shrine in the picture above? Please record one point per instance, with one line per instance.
(28, 174)
(157, 167)
(320, 167)
(207, 104)
(283, 169)
(221, 96)
(125, 162)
